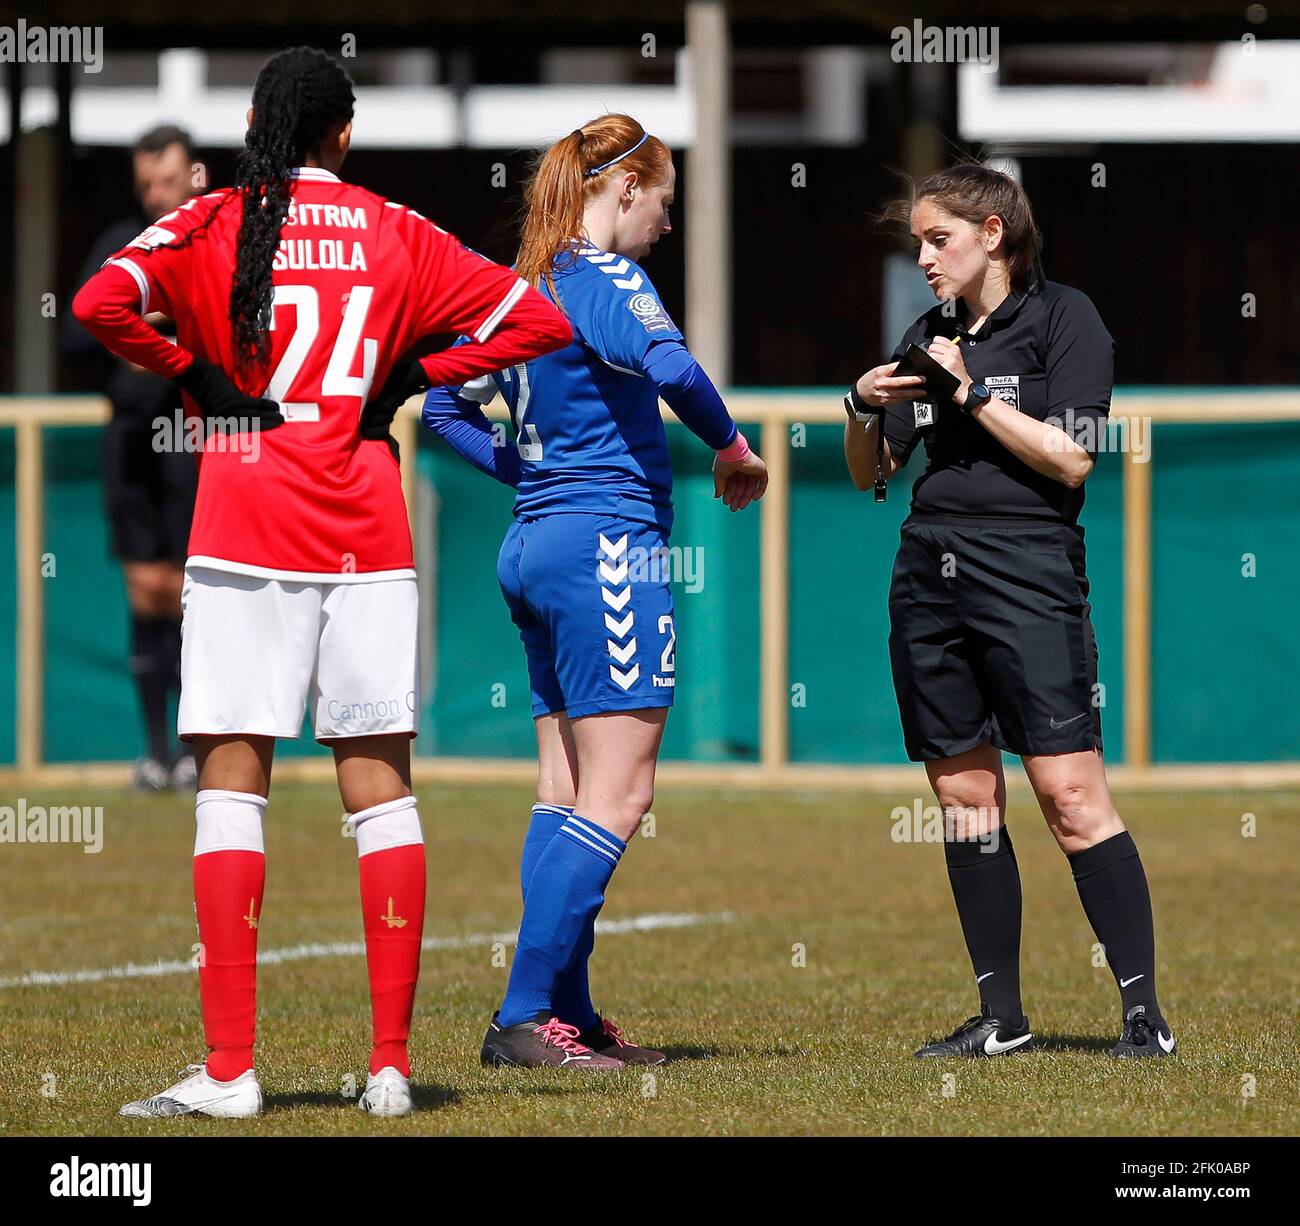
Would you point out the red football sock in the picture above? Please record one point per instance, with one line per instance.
(228, 903)
(392, 907)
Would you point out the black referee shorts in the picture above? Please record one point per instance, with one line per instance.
(148, 494)
(991, 638)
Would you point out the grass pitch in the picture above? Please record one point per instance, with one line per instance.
(822, 954)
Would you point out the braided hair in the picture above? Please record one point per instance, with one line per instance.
(299, 96)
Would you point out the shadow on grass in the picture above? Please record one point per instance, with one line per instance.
(1072, 1042)
(519, 1088)
(425, 1098)
(678, 1053)
(741, 1051)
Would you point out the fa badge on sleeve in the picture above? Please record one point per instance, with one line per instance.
(1005, 387)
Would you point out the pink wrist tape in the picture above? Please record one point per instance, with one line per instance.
(736, 452)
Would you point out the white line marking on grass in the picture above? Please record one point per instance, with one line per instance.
(350, 949)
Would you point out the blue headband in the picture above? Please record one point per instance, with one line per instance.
(595, 170)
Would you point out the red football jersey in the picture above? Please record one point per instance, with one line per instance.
(358, 279)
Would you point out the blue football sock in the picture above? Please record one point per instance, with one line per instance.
(546, 820)
(572, 1001)
(565, 894)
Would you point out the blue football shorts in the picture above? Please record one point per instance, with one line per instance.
(590, 596)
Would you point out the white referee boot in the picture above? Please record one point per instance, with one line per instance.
(199, 1094)
(387, 1093)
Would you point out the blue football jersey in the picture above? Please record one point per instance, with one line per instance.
(586, 417)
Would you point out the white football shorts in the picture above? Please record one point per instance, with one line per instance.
(255, 652)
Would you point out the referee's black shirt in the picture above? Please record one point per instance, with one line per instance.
(1046, 352)
(137, 395)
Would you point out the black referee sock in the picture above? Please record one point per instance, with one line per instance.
(1113, 889)
(154, 670)
(985, 883)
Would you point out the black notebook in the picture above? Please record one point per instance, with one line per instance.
(940, 384)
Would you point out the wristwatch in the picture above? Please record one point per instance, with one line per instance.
(857, 408)
(977, 394)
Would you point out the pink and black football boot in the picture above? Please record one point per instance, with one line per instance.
(540, 1042)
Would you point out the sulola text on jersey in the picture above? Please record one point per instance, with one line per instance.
(316, 254)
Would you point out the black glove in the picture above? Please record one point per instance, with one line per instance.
(405, 380)
(220, 401)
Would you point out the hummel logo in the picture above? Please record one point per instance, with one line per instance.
(995, 1047)
(393, 921)
(1061, 723)
(981, 978)
(1123, 983)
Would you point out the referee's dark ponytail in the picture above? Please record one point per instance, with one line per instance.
(300, 95)
(973, 192)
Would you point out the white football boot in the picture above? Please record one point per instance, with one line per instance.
(199, 1094)
(387, 1092)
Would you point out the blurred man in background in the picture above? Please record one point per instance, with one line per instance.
(149, 491)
